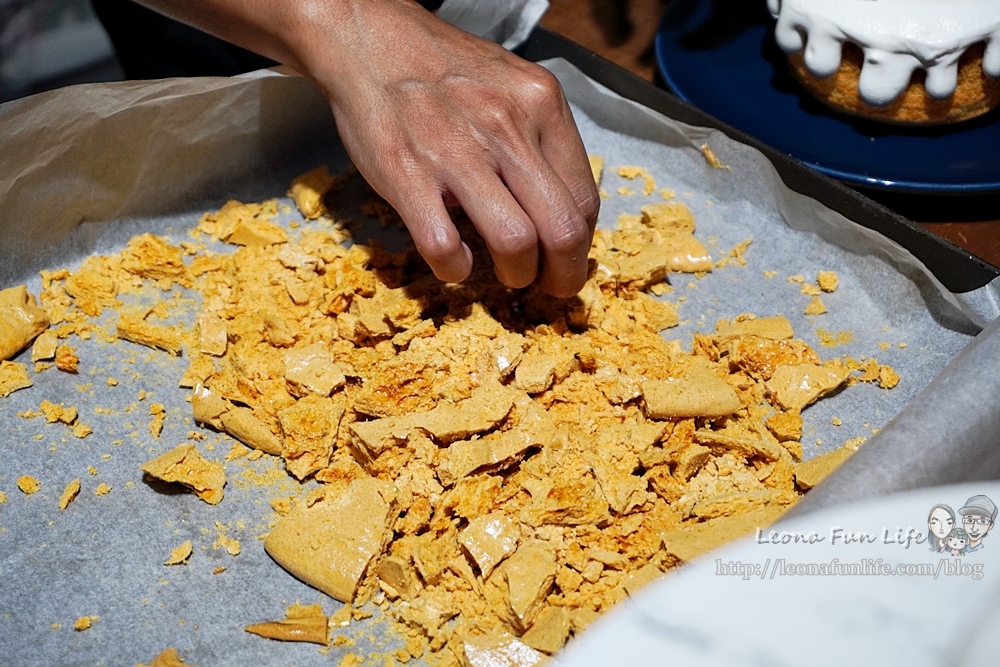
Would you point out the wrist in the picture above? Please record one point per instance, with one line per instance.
(347, 46)
(330, 40)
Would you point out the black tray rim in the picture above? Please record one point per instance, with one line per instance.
(957, 269)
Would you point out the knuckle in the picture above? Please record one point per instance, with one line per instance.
(568, 235)
(513, 241)
(589, 202)
(540, 86)
(436, 245)
(498, 112)
(426, 156)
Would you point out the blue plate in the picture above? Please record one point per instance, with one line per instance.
(720, 55)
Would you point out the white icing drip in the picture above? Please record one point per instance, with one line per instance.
(897, 37)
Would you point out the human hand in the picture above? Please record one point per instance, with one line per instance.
(434, 116)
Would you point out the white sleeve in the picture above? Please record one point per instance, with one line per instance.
(507, 22)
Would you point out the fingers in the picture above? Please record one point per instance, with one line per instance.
(563, 149)
(553, 183)
(533, 209)
(493, 134)
(562, 231)
(508, 231)
(434, 234)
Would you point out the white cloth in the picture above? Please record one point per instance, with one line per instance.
(507, 22)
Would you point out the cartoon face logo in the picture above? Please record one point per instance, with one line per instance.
(940, 522)
(978, 516)
(956, 541)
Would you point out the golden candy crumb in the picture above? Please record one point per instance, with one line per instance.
(828, 281)
(712, 160)
(180, 555)
(69, 494)
(28, 484)
(85, 623)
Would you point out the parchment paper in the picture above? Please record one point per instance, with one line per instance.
(153, 157)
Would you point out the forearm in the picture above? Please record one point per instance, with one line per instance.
(306, 35)
(432, 115)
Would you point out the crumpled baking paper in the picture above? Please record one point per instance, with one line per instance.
(85, 168)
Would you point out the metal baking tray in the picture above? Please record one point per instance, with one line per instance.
(916, 449)
(53, 573)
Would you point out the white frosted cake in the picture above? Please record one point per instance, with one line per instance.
(902, 61)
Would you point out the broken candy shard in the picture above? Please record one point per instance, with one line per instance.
(596, 167)
(500, 448)
(255, 232)
(311, 369)
(302, 624)
(535, 373)
(169, 658)
(701, 393)
(686, 254)
(150, 335)
(828, 281)
(45, 346)
(785, 426)
(310, 429)
(746, 446)
(21, 320)
(670, 217)
(761, 356)
(241, 423)
(795, 387)
(644, 268)
(815, 307)
(308, 189)
(549, 631)
(208, 406)
(487, 406)
(298, 630)
(92, 286)
(503, 651)
(432, 555)
(185, 465)
(397, 574)
(13, 376)
(151, 257)
(495, 450)
(180, 555)
(69, 493)
(775, 328)
(529, 573)
(331, 543)
(489, 539)
(695, 539)
(212, 335)
(810, 473)
(374, 437)
(567, 501)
